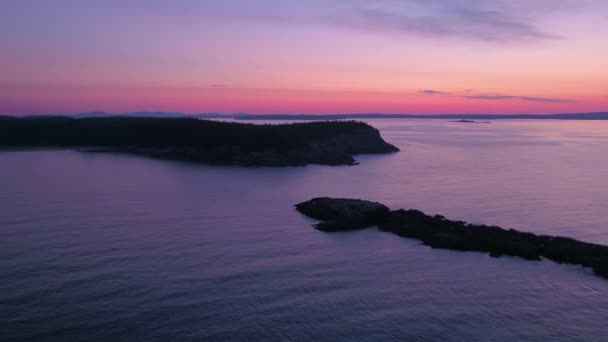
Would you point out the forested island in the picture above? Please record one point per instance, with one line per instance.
(438, 232)
(214, 142)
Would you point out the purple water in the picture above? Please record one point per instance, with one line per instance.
(101, 247)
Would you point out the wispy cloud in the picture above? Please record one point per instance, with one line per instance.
(491, 97)
(432, 92)
(496, 21)
(542, 99)
(513, 97)
(218, 85)
(486, 25)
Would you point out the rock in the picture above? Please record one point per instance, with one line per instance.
(342, 214)
(438, 232)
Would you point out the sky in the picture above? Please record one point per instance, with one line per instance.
(303, 56)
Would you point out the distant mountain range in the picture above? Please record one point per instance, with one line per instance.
(134, 114)
(567, 116)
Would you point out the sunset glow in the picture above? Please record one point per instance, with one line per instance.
(287, 56)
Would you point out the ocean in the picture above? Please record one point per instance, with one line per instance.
(99, 247)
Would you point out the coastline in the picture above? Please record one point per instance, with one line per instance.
(212, 142)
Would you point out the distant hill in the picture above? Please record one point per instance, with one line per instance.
(569, 116)
(310, 117)
(91, 115)
(134, 115)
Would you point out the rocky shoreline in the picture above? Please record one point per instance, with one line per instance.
(212, 142)
(438, 232)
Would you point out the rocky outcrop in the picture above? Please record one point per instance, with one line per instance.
(439, 232)
(343, 214)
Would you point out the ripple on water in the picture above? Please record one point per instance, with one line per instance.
(106, 247)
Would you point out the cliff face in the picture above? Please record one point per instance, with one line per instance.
(326, 143)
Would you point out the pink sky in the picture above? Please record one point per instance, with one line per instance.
(347, 56)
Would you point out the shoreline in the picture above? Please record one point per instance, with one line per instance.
(205, 141)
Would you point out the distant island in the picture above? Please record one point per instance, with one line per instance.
(344, 116)
(340, 214)
(569, 116)
(469, 121)
(214, 142)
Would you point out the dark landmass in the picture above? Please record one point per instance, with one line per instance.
(469, 121)
(100, 114)
(324, 117)
(570, 116)
(132, 115)
(326, 143)
(439, 232)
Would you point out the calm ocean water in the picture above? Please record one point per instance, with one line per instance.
(101, 247)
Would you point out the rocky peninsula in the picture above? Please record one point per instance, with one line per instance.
(189, 139)
(438, 232)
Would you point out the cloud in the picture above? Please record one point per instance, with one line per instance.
(432, 92)
(512, 97)
(218, 86)
(464, 22)
(541, 99)
(491, 97)
(494, 21)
